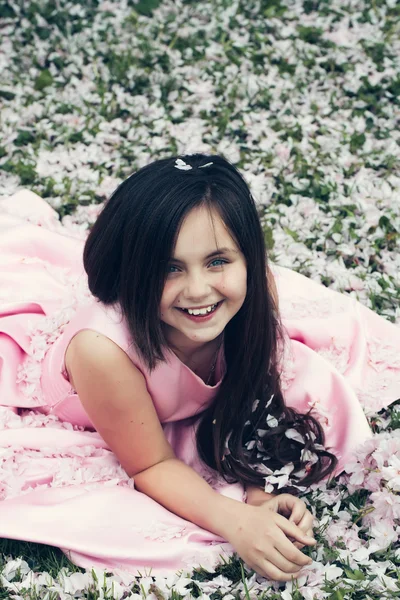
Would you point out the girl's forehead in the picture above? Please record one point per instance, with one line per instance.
(202, 232)
(203, 225)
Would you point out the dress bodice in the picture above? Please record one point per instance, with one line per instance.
(177, 392)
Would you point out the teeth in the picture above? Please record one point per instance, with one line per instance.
(201, 311)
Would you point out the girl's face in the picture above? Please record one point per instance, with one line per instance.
(207, 271)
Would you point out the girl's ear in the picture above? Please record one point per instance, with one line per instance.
(272, 289)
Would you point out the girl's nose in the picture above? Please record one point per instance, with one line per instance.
(197, 287)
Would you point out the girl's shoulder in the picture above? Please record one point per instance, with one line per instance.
(106, 321)
(103, 321)
(89, 345)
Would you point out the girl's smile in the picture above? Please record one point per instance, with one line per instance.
(201, 314)
(206, 283)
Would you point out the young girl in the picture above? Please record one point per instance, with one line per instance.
(178, 359)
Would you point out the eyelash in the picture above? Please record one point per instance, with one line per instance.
(222, 260)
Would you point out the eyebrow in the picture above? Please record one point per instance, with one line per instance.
(215, 253)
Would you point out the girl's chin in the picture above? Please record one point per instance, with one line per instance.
(195, 337)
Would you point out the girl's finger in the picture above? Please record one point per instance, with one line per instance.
(292, 530)
(297, 513)
(281, 562)
(290, 505)
(289, 552)
(270, 571)
(299, 545)
(306, 522)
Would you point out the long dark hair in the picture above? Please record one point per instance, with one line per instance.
(125, 257)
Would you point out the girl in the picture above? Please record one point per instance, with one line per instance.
(179, 361)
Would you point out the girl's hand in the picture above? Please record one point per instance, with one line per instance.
(260, 535)
(288, 505)
(297, 512)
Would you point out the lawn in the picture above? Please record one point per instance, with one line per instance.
(302, 96)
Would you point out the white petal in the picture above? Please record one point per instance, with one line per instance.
(269, 401)
(180, 164)
(272, 421)
(292, 434)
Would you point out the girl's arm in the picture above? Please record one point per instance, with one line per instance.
(181, 490)
(114, 394)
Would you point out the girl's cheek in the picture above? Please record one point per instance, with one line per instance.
(170, 291)
(168, 287)
(221, 282)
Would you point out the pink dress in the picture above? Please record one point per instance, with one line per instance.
(59, 482)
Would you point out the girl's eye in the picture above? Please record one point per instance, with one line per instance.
(220, 260)
(171, 267)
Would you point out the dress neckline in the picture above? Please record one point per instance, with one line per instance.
(220, 367)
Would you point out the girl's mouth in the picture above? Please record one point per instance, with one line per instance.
(201, 317)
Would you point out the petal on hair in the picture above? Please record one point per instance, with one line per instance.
(180, 164)
(272, 421)
(261, 468)
(319, 446)
(300, 474)
(292, 434)
(310, 457)
(269, 401)
(206, 165)
(286, 469)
